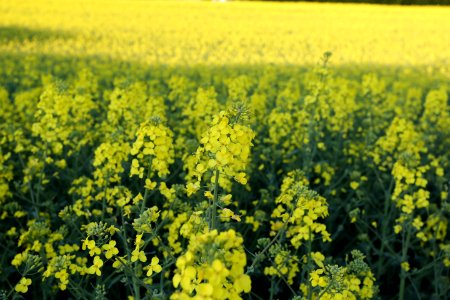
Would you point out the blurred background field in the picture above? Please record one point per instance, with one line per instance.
(233, 33)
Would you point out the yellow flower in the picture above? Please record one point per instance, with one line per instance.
(154, 266)
(241, 178)
(243, 284)
(200, 168)
(90, 244)
(18, 259)
(138, 198)
(112, 229)
(110, 249)
(138, 255)
(316, 279)
(417, 223)
(192, 188)
(204, 289)
(405, 266)
(226, 199)
(318, 258)
(22, 286)
(138, 241)
(354, 185)
(63, 277)
(119, 262)
(95, 268)
(150, 185)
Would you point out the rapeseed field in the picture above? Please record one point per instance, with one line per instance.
(236, 150)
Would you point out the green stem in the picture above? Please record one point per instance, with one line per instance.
(384, 241)
(161, 284)
(309, 264)
(123, 235)
(405, 246)
(41, 175)
(146, 190)
(271, 289)
(105, 190)
(213, 224)
(137, 292)
(435, 265)
(134, 279)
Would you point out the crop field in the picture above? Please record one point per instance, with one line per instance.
(237, 150)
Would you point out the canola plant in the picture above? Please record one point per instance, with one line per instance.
(238, 150)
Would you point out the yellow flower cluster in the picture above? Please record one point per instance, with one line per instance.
(129, 106)
(354, 281)
(145, 220)
(285, 265)
(352, 288)
(63, 116)
(212, 267)
(436, 115)
(108, 161)
(298, 211)
(410, 187)
(152, 151)
(225, 150)
(401, 137)
(174, 228)
(138, 254)
(62, 266)
(200, 111)
(22, 286)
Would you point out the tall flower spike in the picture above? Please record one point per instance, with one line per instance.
(153, 150)
(225, 148)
